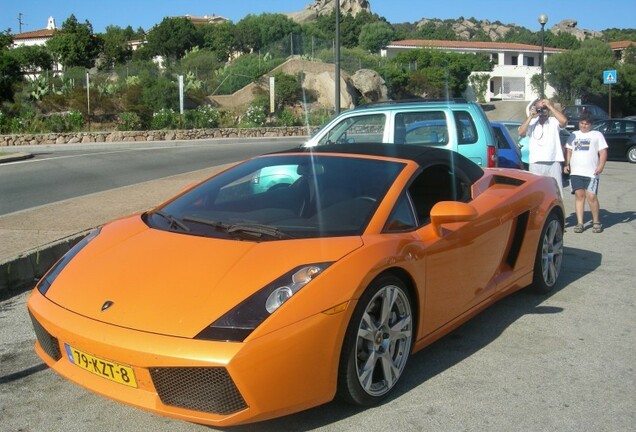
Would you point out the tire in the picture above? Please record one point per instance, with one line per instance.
(377, 343)
(631, 154)
(547, 264)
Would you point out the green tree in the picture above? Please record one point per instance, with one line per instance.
(6, 40)
(75, 45)
(434, 31)
(579, 73)
(116, 49)
(375, 36)
(220, 39)
(615, 34)
(33, 59)
(479, 83)
(405, 31)
(624, 91)
(9, 75)
(448, 75)
(350, 26)
(201, 62)
(257, 31)
(173, 37)
(287, 89)
(562, 40)
(396, 80)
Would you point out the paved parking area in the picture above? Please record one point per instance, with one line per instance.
(563, 362)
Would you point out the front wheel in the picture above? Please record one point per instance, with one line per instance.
(547, 265)
(377, 343)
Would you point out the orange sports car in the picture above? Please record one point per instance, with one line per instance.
(293, 278)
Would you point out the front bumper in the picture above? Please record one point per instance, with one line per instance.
(215, 383)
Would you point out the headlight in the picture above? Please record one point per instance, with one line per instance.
(46, 282)
(239, 322)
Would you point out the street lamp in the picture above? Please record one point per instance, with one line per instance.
(543, 19)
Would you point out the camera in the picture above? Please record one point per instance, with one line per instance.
(541, 110)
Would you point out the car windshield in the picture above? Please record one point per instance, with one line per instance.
(573, 110)
(282, 197)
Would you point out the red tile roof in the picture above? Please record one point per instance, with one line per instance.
(497, 46)
(621, 44)
(35, 34)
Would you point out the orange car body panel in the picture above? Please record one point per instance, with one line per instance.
(155, 325)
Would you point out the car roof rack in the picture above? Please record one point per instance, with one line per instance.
(411, 101)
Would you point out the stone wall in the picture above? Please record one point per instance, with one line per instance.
(155, 135)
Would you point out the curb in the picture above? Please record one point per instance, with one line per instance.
(24, 271)
(13, 157)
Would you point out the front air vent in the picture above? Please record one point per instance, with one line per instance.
(205, 389)
(49, 344)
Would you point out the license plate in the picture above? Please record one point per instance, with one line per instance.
(104, 368)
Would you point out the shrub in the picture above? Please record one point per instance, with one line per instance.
(255, 116)
(165, 118)
(202, 117)
(128, 121)
(56, 123)
(75, 120)
(286, 118)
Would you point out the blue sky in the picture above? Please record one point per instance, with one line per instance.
(590, 15)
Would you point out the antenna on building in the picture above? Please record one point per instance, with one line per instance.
(20, 22)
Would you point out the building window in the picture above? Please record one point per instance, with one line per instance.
(494, 58)
(530, 61)
(514, 60)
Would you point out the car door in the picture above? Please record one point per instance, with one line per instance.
(461, 265)
(354, 128)
(617, 136)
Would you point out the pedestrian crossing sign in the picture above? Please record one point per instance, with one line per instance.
(610, 77)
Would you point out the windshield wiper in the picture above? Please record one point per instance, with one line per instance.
(258, 231)
(242, 229)
(214, 224)
(173, 221)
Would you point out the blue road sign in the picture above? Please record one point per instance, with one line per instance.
(610, 77)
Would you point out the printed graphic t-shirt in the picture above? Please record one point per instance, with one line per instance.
(585, 148)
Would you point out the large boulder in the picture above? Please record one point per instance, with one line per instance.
(370, 85)
(326, 7)
(323, 85)
(569, 26)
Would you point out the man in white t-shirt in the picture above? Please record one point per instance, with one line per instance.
(545, 153)
(584, 161)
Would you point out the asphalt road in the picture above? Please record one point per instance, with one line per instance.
(63, 172)
(562, 362)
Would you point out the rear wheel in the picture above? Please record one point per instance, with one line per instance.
(631, 154)
(547, 265)
(377, 343)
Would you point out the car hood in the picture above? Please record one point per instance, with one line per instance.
(176, 284)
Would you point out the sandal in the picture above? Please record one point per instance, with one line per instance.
(578, 229)
(597, 228)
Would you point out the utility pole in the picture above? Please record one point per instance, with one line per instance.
(337, 72)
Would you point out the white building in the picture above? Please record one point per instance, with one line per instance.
(514, 64)
(35, 37)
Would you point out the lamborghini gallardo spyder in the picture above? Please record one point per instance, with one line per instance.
(294, 278)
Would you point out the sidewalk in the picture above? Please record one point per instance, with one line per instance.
(31, 241)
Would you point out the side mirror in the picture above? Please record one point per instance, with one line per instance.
(451, 211)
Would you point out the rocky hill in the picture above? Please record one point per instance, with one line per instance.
(464, 28)
(467, 28)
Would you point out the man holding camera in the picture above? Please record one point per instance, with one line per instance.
(545, 152)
